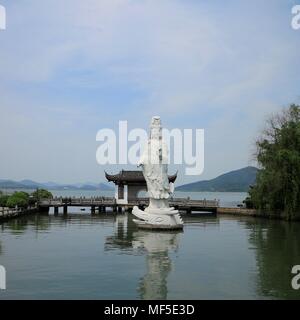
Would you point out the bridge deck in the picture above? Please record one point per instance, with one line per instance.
(182, 204)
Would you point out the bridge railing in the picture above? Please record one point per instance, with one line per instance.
(181, 202)
(200, 203)
(59, 201)
(98, 201)
(5, 211)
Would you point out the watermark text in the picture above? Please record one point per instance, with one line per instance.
(2, 278)
(296, 17)
(296, 279)
(186, 147)
(2, 17)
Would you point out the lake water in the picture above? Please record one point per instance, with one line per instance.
(107, 257)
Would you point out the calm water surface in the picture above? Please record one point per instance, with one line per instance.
(107, 257)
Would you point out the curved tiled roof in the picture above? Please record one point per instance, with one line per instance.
(131, 176)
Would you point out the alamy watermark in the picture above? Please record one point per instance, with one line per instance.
(2, 17)
(126, 147)
(296, 279)
(296, 17)
(2, 278)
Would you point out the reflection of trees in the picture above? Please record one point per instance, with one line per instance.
(41, 223)
(17, 226)
(21, 224)
(277, 250)
(44, 222)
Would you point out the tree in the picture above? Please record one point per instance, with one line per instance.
(20, 199)
(41, 194)
(277, 187)
(3, 200)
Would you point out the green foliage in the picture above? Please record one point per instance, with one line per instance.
(248, 203)
(20, 199)
(3, 200)
(278, 153)
(41, 194)
(23, 199)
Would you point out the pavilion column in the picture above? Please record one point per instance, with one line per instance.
(121, 191)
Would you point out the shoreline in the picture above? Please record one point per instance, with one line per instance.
(244, 212)
(8, 214)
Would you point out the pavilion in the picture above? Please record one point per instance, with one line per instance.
(129, 184)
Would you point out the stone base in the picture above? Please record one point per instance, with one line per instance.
(144, 225)
(168, 219)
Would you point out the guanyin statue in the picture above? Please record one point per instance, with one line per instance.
(154, 162)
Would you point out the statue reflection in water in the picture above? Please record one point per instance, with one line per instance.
(158, 263)
(155, 245)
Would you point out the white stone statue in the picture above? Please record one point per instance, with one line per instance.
(154, 163)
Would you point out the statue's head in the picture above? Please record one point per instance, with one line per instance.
(155, 128)
(155, 121)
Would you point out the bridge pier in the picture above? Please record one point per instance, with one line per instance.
(93, 210)
(65, 210)
(56, 210)
(119, 209)
(43, 210)
(102, 209)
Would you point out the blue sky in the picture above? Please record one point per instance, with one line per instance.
(69, 68)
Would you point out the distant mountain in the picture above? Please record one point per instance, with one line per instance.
(233, 181)
(29, 184)
(8, 184)
(51, 184)
(104, 186)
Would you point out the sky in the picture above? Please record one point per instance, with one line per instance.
(69, 68)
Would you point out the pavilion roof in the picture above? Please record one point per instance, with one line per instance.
(131, 176)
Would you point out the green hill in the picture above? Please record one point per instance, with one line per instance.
(233, 181)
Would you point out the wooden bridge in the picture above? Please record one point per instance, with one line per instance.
(101, 204)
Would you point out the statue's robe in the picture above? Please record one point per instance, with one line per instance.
(154, 162)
